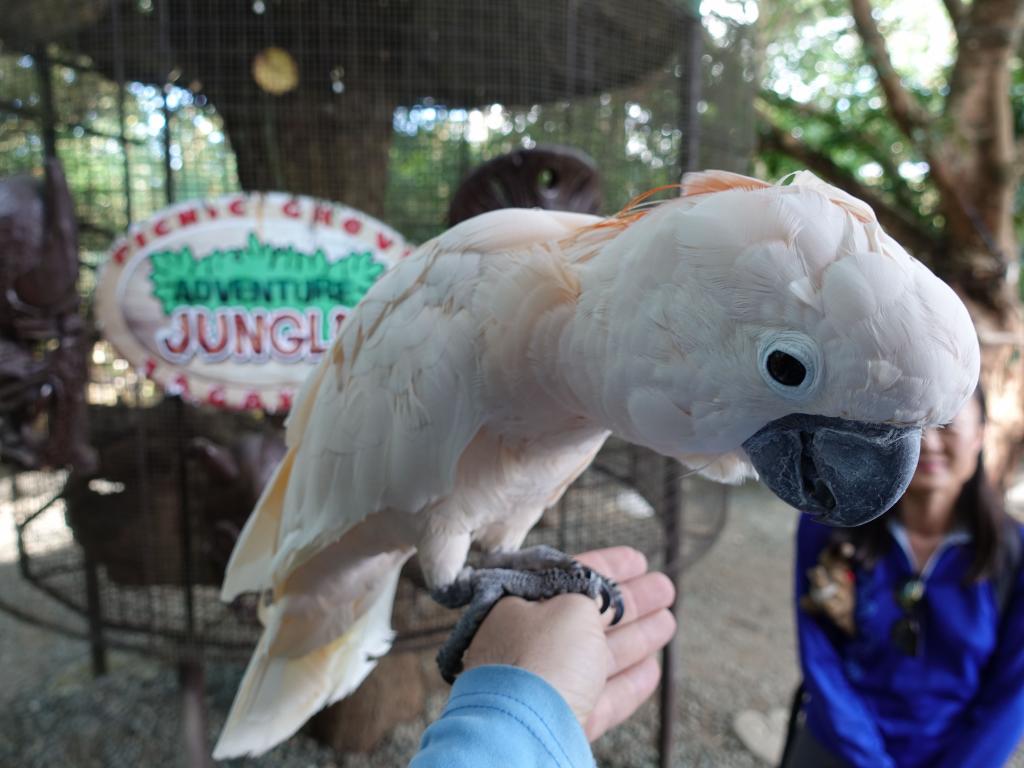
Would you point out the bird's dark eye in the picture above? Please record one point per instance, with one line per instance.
(790, 363)
(785, 369)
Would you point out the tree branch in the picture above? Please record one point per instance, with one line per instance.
(908, 114)
(990, 31)
(910, 233)
(862, 138)
(803, 108)
(955, 9)
(911, 118)
(979, 171)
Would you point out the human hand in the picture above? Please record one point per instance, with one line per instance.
(603, 672)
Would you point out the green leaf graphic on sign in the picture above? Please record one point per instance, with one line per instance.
(261, 276)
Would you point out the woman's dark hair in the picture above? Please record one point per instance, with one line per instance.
(978, 509)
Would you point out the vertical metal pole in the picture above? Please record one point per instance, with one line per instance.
(168, 170)
(193, 713)
(672, 514)
(268, 109)
(118, 51)
(692, 41)
(46, 103)
(186, 525)
(142, 497)
(571, 26)
(94, 609)
(690, 86)
(190, 666)
(165, 61)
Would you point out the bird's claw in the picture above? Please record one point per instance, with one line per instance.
(548, 573)
(608, 592)
(606, 598)
(620, 607)
(610, 597)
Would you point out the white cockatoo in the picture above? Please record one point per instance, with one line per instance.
(741, 328)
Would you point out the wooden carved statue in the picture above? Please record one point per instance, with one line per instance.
(553, 177)
(43, 345)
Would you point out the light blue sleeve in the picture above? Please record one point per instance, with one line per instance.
(504, 717)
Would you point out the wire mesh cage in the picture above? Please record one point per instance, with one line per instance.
(113, 549)
(384, 105)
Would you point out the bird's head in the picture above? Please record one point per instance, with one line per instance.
(781, 323)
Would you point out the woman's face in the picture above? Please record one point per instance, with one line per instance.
(949, 456)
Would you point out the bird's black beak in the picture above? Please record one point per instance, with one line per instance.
(838, 471)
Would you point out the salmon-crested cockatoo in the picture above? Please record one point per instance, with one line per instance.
(743, 328)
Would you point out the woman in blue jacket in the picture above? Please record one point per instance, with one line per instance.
(911, 628)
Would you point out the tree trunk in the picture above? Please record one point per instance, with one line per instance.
(974, 164)
(297, 143)
(976, 169)
(1002, 379)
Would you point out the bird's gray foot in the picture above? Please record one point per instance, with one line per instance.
(537, 558)
(545, 573)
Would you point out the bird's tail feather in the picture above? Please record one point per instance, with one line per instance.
(279, 693)
(249, 566)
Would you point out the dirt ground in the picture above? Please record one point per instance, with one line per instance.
(737, 644)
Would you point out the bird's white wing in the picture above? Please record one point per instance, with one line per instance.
(383, 420)
(393, 409)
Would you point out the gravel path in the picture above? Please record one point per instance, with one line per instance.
(735, 629)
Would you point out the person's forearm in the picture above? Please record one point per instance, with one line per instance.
(851, 733)
(504, 717)
(980, 747)
(993, 724)
(989, 731)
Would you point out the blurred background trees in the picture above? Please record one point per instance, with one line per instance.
(916, 106)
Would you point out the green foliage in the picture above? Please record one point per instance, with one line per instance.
(632, 135)
(635, 135)
(122, 166)
(261, 276)
(819, 86)
(117, 169)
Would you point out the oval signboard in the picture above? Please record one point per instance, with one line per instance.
(232, 301)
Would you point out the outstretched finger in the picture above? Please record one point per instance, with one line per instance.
(617, 563)
(622, 695)
(632, 643)
(641, 596)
